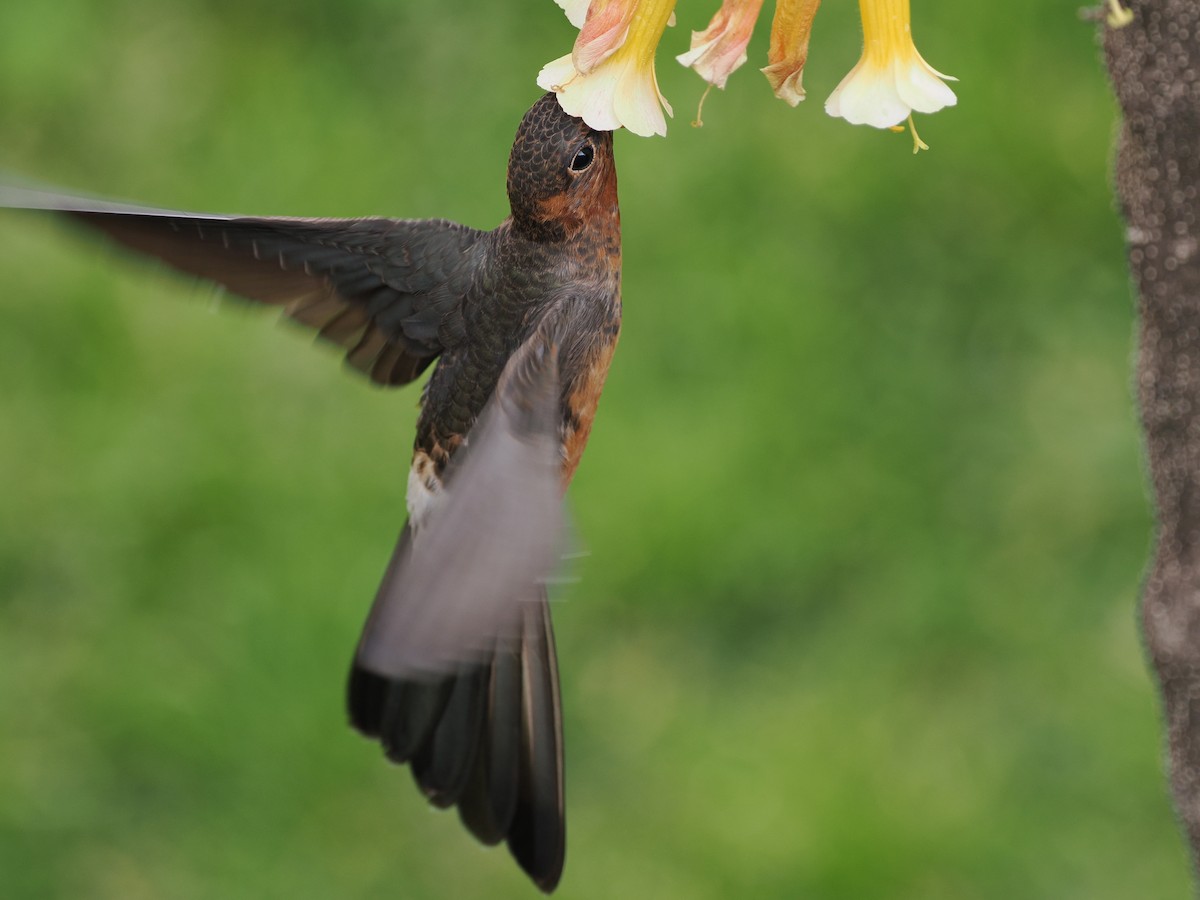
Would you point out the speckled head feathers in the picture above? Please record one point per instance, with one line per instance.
(560, 170)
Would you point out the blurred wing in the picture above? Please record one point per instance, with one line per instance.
(494, 536)
(387, 290)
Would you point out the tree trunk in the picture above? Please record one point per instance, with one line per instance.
(1154, 63)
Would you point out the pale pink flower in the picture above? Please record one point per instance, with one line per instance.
(721, 48)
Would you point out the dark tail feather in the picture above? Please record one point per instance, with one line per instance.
(538, 837)
(366, 695)
(411, 710)
(488, 805)
(443, 763)
(487, 738)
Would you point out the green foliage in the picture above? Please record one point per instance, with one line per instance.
(865, 507)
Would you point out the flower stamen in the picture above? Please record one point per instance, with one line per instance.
(699, 122)
(918, 144)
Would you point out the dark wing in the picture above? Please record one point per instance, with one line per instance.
(456, 672)
(493, 535)
(387, 290)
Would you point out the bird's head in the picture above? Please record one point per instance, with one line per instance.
(561, 174)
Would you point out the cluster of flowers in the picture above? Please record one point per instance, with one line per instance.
(608, 78)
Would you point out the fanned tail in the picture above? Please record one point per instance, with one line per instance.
(487, 738)
(456, 673)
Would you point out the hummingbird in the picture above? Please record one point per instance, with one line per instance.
(456, 673)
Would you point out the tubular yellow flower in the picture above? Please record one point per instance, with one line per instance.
(891, 81)
(721, 48)
(790, 31)
(609, 79)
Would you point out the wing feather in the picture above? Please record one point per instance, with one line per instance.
(387, 290)
(495, 535)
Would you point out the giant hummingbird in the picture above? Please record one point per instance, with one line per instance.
(455, 673)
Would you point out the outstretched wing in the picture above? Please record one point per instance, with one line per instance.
(387, 290)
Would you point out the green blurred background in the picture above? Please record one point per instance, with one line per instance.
(865, 503)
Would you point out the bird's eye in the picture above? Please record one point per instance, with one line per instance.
(583, 158)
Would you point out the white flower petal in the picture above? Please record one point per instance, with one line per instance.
(867, 97)
(663, 100)
(636, 102)
(594, 98)
(921, 88)
(576, 10)
(556, 74)
(885, 95)
(586, 97)
(695, 53)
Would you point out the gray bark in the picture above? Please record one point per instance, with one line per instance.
(1154, 63)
